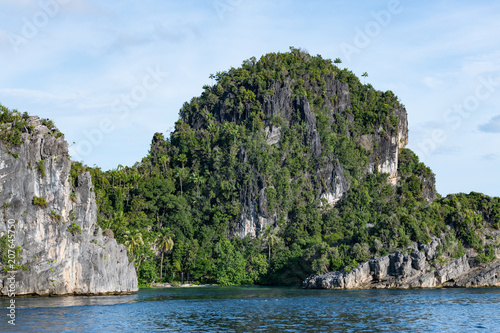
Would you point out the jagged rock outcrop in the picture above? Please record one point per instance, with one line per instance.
(428, 187)
(412, 270)
(255, 216)
(328, 105)
(62, 251)
(383, 146)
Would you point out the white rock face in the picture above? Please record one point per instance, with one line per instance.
(62, 251)
(384, 147)
(273, 134)
(253, 223)
(336, 194)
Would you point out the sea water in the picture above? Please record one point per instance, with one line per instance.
(261, 309)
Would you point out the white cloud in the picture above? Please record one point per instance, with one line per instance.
(447, 150)
(83, 7)
(479, 67)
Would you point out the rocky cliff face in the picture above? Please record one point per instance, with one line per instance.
(255, 216)
(415, 269)
(383, 146)
(62, 251)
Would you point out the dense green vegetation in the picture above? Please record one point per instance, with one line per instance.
(11, 258)
(189, 189)
(177, 209)
(13, 123)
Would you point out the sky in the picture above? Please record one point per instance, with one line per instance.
(111, 73)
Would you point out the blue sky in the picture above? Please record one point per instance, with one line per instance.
(112, 73)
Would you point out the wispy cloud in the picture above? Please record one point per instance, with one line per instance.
(34, 95)
(93, 52)
(489, 157)
(492, 126)
(4, 37)
(447, 150)
(19, 3)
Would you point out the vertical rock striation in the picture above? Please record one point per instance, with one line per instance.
(383, 146)
(62, 251)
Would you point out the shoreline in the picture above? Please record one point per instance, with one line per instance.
(178, 285)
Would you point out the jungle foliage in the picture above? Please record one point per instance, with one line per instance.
(176, 210)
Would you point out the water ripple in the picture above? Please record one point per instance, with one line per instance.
(264, 310)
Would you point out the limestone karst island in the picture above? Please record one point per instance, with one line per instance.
(286, 171)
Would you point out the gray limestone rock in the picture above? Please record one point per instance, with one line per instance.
(54, 220)
(399, 270)
(380, 267)
(329, 178)
(418, 260)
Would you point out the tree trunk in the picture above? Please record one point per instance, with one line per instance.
(140, 260)
(161, 267)
(269, 246)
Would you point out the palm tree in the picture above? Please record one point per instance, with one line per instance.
(231, 130)
(365, 75)
(133, 242)
(234, 132)
(146, 163)
(303, 128)
(197, 180)
(135, 177)
(164, 160)
(179, 174)
(181, 158)
(337, 61)
(113, 174)
(166, 244)
(271, 237)
(212, 128)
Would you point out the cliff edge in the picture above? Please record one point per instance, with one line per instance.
(51, 215)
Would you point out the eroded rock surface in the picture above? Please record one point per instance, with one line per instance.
(62, 251)
(383, 146)
(414, 269)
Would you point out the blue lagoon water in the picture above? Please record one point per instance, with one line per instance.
(260, 309)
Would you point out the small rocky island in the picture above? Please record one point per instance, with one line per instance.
(421, 266)
(51, 214)
(286, 171)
